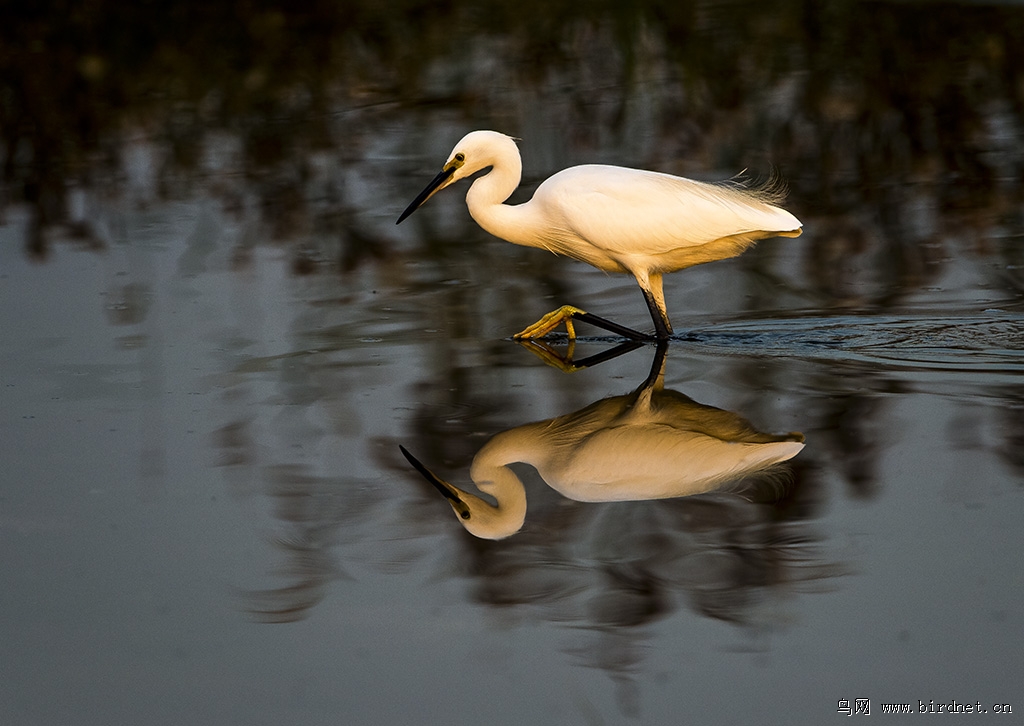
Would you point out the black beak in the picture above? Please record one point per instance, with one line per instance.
(425, 195)
(450, 493)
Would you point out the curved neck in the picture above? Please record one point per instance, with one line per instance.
(506, 516)
(493, 477)
(486, 198)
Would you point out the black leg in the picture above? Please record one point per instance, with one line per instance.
(608, 325)
(662, 327)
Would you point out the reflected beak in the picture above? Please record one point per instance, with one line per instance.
(447, 490)
(437, 184)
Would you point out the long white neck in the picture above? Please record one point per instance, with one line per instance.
(488, 193)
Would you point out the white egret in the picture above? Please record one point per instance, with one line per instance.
(650, 444)
(643, 223)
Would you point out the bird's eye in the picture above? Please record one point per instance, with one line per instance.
(465, 515)
(460, 157)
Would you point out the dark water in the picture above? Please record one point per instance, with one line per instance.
(215, 339)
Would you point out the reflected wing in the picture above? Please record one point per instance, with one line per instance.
(655, 461)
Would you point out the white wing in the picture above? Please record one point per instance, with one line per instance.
(630, 211)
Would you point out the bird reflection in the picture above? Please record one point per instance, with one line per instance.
(649, 444)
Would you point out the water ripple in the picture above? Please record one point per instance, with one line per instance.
(992, 342)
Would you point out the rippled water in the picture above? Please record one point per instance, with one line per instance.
(992, 342)
(213, 352)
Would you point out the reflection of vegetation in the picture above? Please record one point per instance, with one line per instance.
(609, 572)
(897, 125)
(912, 108)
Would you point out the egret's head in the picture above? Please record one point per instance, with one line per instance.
(480, 518)
(475, 151)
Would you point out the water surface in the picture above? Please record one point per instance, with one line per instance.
(215, 340)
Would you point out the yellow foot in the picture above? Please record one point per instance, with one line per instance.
(551, 321)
